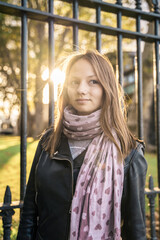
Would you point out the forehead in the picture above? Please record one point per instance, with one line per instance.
(82, 66)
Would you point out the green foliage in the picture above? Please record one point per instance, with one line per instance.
(16, 2)
(152, 170)
(9, 61)
(152, 167)
(10, 53)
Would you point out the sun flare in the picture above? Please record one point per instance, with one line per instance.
(57, 77)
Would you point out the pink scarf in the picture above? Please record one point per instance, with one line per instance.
(96, 202)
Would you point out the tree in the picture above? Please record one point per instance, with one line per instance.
(38, 53)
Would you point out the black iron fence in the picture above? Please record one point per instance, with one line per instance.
(7, 211)
(120, 11)
(152, 193)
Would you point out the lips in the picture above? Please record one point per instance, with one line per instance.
(82, 100)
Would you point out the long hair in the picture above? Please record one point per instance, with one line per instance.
(113, 114)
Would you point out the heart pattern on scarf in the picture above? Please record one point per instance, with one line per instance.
(99, 201)
(98, 227)
(107, 191)
(100, 181)
(119, 172)
(76, 210)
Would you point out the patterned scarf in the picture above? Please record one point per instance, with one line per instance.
(96, 202)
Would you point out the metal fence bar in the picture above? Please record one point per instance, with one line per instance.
(7, 215)
(65, 21)
(75, 26)
(151, 193)
(98, 32)
(157, 91)
(6, 209)
(139, 75)
(23, 144)
(120, 51)
(114, 8)
(157, 99)
(152, 209)
(51, 63)
(138, 4)
(107, 7)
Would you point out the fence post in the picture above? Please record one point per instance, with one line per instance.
(151, 204)
(7, 215)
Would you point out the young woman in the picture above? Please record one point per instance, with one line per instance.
(88, 175)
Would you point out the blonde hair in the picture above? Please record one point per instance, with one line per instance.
(113, 108)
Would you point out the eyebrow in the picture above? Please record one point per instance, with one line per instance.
(87, 76)
(92, 76)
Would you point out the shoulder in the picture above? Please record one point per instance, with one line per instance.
(136, 161)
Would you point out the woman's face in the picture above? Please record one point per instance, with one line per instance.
(84, 90)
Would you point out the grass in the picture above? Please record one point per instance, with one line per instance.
(10, 171)
(152, 168)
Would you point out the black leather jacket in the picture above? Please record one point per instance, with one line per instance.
(46, 210)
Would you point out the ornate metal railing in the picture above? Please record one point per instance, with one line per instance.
(7, 210)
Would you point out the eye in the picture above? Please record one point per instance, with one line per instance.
(73, 83)
(94, 81)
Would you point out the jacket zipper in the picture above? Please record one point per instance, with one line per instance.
(57, 158)
(36, 189)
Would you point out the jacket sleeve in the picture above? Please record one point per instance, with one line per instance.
(133, 204)
(29, 214)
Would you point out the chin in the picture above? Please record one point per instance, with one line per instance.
(84, 112)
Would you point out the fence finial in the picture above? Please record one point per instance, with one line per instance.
(119, 2)
(7, 214)
(151, 204)
(138, 4)
(151, 183)
(7, 195)
(155, 6)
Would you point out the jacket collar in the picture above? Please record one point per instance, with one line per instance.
(63, 149)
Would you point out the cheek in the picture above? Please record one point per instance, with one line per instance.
(69, 94)
(100, 94)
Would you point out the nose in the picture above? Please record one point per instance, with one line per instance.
(82, 88)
